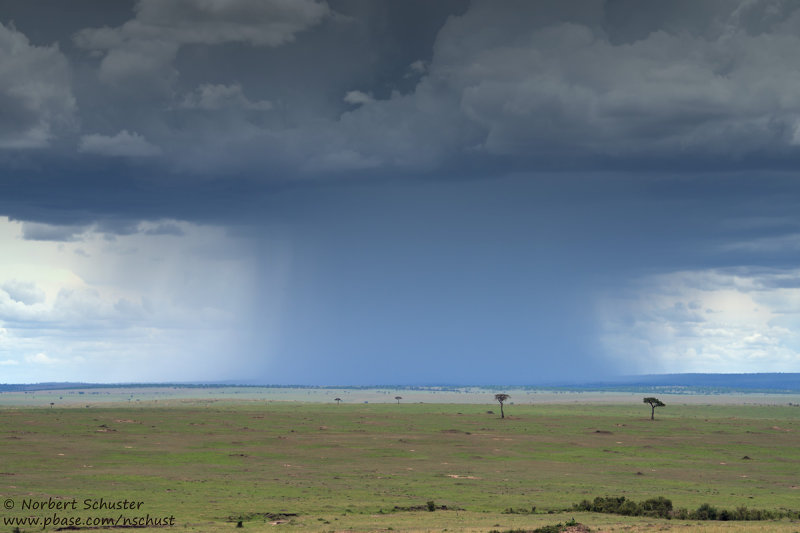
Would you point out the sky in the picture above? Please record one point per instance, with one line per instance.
(360, 192)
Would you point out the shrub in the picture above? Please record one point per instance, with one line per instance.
(657, 507)
(585, 505)
(769, 515)
(609, 504)
(705, 512)
(629, 508)
(681, 513)
(662, 508)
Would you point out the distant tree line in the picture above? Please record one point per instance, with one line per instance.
(662, 508)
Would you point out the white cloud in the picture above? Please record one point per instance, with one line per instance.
(213, 97)
(706, 321)
(418, 67)
(41, 359)
(23, 292)
(36, 100)
(158, 303)
(358, 98)
(123, 144)
(9, 362)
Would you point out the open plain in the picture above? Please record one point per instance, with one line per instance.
(295, 460)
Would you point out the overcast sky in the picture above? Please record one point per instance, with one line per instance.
(360, 192)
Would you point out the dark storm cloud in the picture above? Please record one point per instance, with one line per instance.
(561, 84)
(165, 228)
(35, 231)
(280, 91)
(381, 90)
(244, 97)
(144, 48)
(548, 81)
(36, 103)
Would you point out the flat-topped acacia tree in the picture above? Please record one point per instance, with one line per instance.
(501, 398)
(398, 398)
(654, 402)
(337, 400)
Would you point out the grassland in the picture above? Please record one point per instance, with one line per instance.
(304, 466)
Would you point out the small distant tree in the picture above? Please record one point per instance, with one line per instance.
(337, 400)
(398, 398)
(501, 398)
(52, 404)
(654, 402)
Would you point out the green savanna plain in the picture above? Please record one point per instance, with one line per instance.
(310, 466)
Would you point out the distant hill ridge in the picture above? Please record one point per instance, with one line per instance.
(666, 383)
(767, 382)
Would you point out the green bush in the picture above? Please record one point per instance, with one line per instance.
(681, 513)
(629, 508)
(662, 508)
(741, 513)
(704, 512)
(657, 507)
